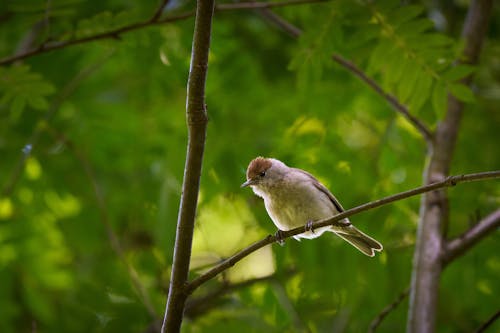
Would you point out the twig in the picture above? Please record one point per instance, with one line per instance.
(350, 66)
(154, 20)
(388, 309)
(391, 99)
(488, 323)
(459, 245)
(196, 117)
(231, 261)
(159, 11)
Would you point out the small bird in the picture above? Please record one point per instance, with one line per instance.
(293, 197)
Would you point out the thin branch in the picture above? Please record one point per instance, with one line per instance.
(388, 309)
(159, 11)
(334, 220)
(197, 119)
(459, 245)
(350, 66)
(391, 99)
(154, 20)
(488, 323)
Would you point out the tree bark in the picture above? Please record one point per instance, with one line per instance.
(196, 115)
(427, 262)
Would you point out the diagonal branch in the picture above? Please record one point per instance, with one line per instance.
(231, 261)
(461, 244)
(488, 323)
(391, 99)
(350, 66)
(378, 319)
(154, 20)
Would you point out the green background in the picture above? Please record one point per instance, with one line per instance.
(106, 121)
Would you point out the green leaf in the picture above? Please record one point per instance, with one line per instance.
(405, 14)
(458, 72)
(439, 99)
(461, 92)
(421, 91)
(408, 82)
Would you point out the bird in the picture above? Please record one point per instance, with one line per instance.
(294, 198)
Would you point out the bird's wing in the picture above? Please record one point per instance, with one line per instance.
(323, 189)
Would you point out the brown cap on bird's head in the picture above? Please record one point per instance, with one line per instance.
(258, 166)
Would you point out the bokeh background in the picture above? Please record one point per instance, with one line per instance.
(92, 149)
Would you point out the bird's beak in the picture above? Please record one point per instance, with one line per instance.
(248, 183)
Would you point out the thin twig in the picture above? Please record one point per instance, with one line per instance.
(388, 309)
(459, 245)
(231, 261)
(391, 99)
(488, 323)
(154, 20)
(159, 11)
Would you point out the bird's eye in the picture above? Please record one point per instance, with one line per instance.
(262, 174)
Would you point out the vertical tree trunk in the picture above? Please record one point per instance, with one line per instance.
(196, 117)
(428, 263)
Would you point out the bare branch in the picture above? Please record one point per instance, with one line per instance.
(159, 11)
(461, 244)
(391, 99)
(154, 20)
(381, 316)
(231, 261)
(489, 322)
(196, 117)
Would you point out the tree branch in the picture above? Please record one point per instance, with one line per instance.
(488, 323)
(391, 99)
(351, 67)
(231, 261)
(196, 118)
(381, 316)
(459, 245)
(154, 20)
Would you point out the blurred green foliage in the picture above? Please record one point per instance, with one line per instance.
(106, 124)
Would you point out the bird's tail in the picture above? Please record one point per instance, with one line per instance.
(358, 239)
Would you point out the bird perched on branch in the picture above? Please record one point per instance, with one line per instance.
(293, 197)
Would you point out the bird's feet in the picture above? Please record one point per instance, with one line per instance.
(309, 227)
(280, 238)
